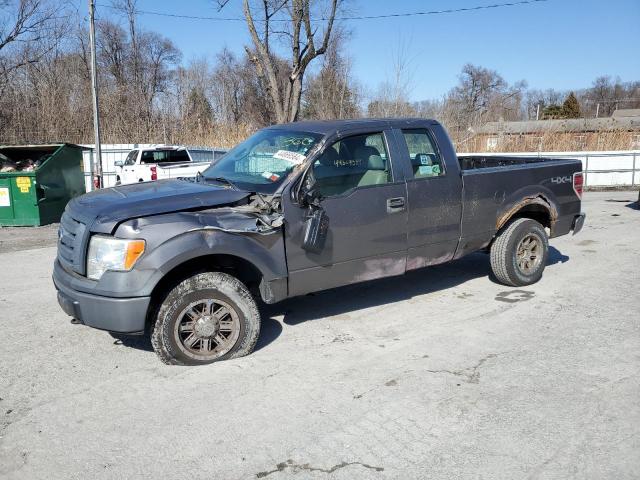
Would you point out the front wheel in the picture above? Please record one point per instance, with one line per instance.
(519, 253)
(206, 318)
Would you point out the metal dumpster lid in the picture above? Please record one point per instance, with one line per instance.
(47, 145)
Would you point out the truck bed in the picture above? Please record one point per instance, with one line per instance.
(473, 162)
(493, 186)
(173, 170)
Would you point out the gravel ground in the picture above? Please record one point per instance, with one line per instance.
(439, 374)
(15, 239)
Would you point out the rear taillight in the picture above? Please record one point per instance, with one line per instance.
(154, 173)
(578, 183)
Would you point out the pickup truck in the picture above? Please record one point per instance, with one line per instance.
(294, 209)
(163, 161)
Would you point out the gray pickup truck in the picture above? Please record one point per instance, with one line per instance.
(294, 209)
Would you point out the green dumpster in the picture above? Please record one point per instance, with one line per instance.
(37, 181)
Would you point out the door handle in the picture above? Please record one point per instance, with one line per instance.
(395, 204)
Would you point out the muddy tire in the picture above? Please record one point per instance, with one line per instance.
(519, 253)
(206, 318)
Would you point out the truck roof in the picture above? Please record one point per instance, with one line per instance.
(328, 126)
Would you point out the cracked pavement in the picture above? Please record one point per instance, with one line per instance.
(439, 374)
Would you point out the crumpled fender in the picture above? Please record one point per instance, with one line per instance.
(529, 195)
(177, 238)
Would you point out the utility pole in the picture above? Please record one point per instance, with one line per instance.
(97, 167)
(538, 112)
(597, 109)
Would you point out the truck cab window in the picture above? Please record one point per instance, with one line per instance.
(131, 158)
(163, 156)
(425, 159)
(352, 162)
(179, 156)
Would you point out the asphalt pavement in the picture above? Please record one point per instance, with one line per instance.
(442, 373)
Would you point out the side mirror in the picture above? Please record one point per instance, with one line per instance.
(118, 163)
(308, 194)
(315, 230)
(317, 222)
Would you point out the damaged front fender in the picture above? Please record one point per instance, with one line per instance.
(175, 238)
(240, 220)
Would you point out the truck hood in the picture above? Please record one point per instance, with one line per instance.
(102, 210)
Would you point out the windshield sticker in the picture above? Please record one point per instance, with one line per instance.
(271, 176)
(298, 142)
(288, 156)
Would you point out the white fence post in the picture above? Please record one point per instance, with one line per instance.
(586, 169)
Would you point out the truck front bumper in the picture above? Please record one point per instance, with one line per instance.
(122, 315)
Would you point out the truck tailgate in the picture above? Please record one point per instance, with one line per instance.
(190, 169)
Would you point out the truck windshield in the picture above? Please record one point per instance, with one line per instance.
(261, 162)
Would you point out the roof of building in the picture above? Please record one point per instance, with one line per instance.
(562, 125)
(626, 112)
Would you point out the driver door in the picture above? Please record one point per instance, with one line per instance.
(129, 168)
(364, 197)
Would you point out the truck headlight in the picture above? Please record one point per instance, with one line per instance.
(108, 253)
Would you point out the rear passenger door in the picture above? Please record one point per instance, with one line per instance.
(433, 189)
(364, 197)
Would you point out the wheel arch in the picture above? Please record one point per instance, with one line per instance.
(256, 260)
(241, 268)
(537, 208)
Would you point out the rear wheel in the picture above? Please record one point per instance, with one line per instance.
(519, 253)
(206, 318)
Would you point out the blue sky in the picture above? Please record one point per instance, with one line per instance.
(561, 44)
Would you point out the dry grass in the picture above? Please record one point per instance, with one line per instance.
(554, 142)
(216, 135)
(227, 135)
(221, 135)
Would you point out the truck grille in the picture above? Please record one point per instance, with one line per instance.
(71, 239)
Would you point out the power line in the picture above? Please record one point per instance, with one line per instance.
(439, 12)
(359, 17)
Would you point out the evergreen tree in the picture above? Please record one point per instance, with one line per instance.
(551, 112)
(571, 107)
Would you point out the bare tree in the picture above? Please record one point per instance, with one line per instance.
(27, 28)
(392, 98)
(265, 23)
(332, 92)
(610, 94)
(537, 100)
(483, 95)
(128, 7)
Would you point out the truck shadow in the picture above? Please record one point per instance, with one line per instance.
(270, 329)
(364, 295)
(389, 290)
